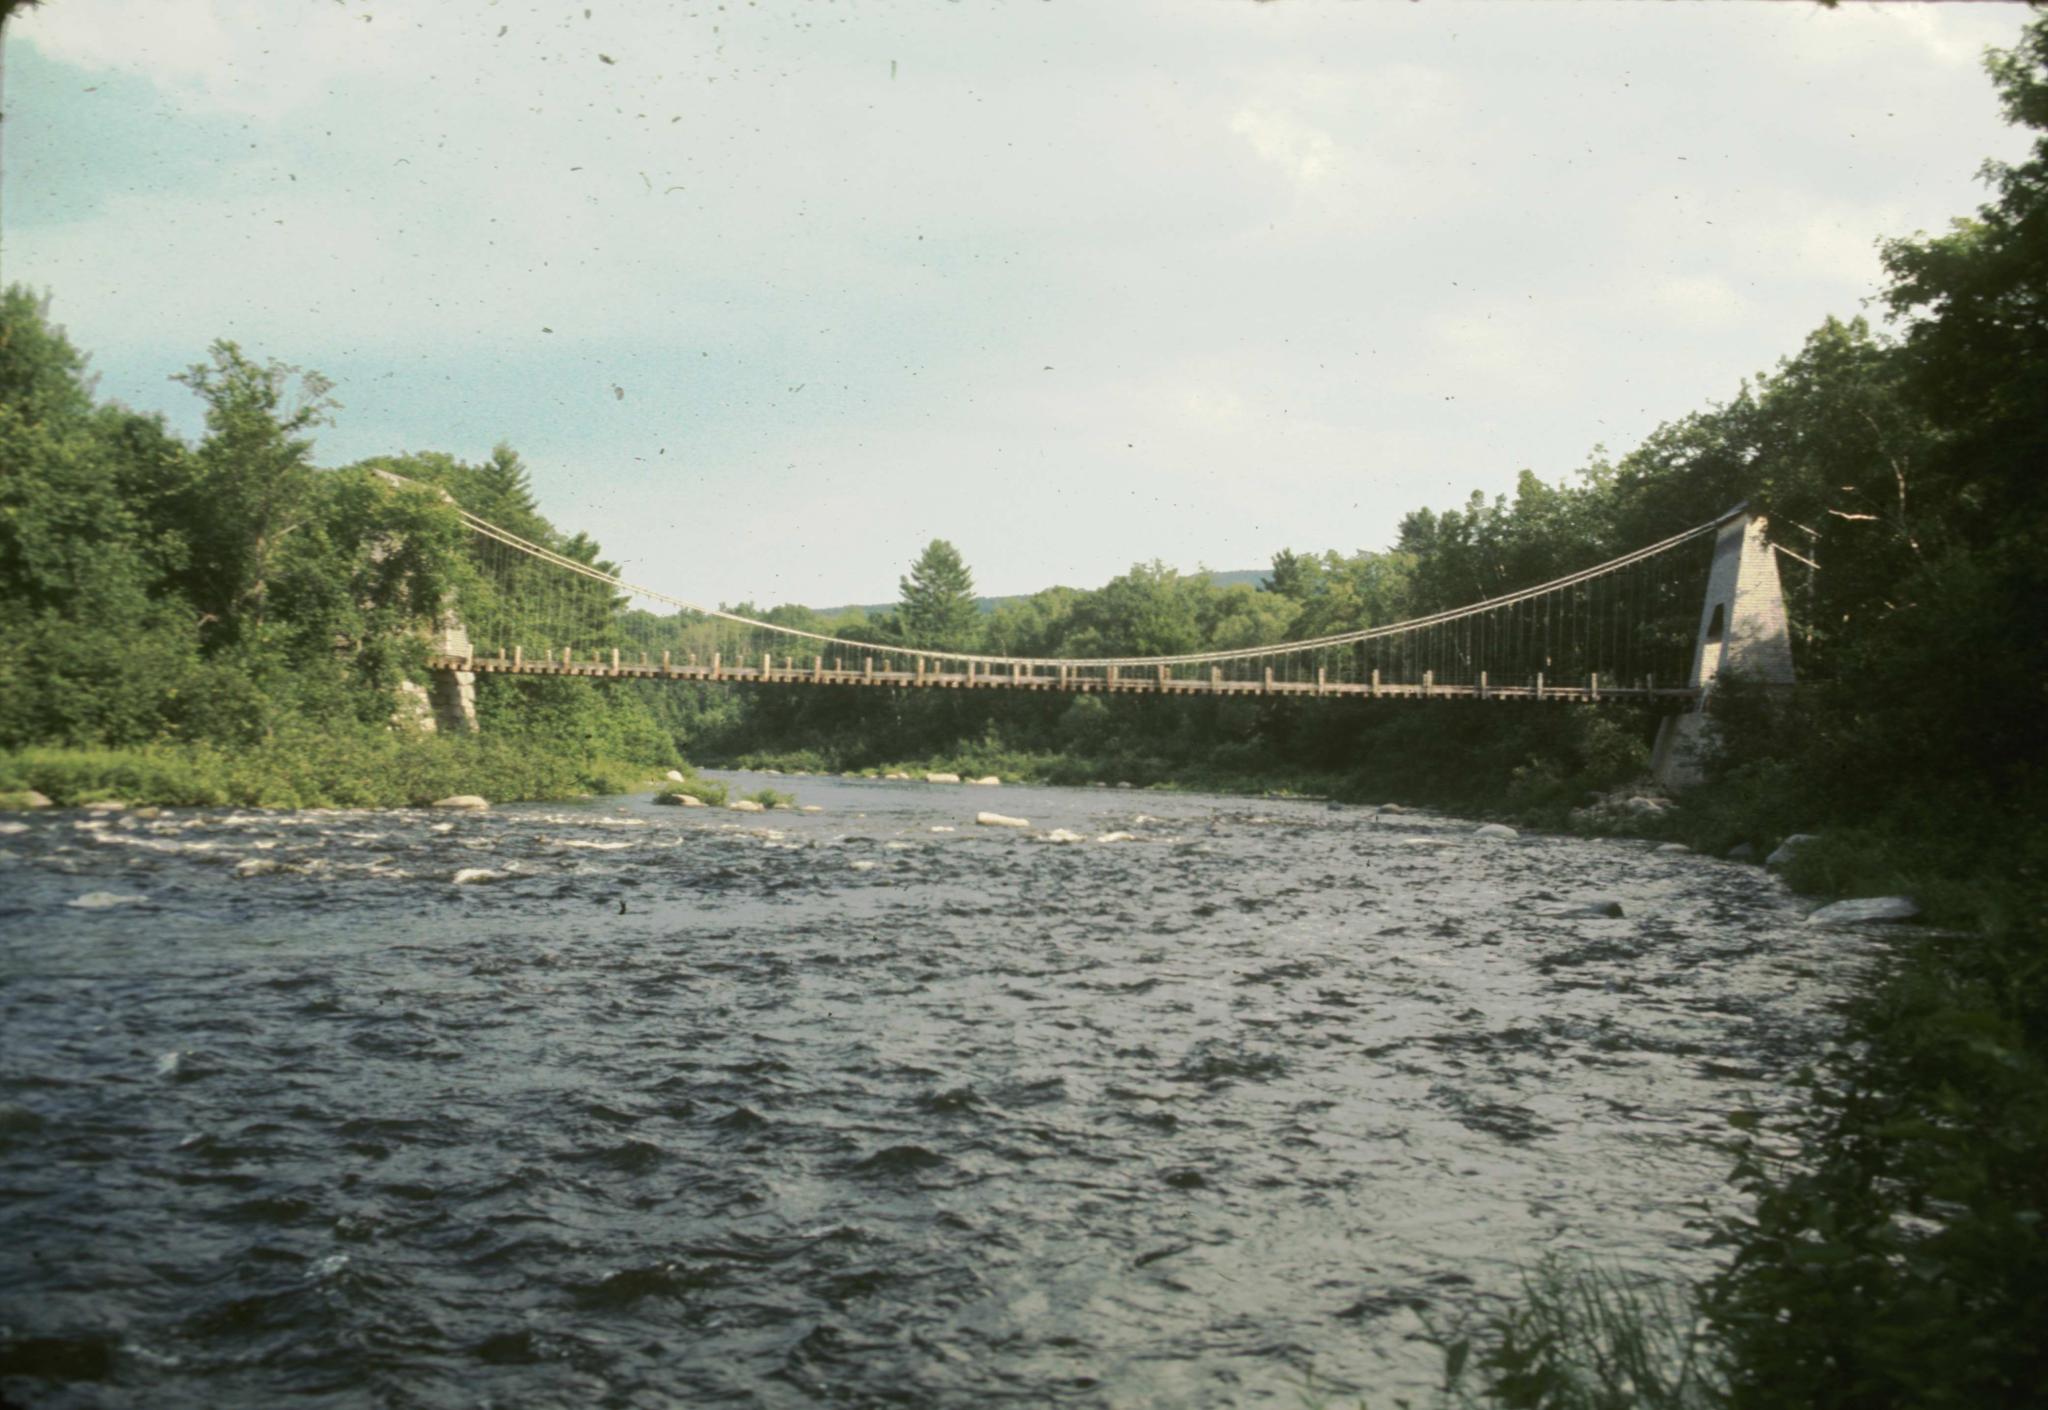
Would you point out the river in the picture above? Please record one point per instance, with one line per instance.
(867, 1106)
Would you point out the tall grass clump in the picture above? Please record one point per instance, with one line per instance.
(1586, 1337)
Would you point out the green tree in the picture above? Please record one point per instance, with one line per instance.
(936, 602)
(254, 478)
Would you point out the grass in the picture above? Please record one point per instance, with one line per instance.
(312, 770)
(1586, 1337)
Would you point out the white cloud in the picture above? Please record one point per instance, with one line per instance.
(1305, 154)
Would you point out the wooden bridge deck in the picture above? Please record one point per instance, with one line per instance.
(1112, 682)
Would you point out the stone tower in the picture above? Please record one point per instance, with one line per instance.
(1742, 632)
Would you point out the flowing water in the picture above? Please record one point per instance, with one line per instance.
(615, 1104)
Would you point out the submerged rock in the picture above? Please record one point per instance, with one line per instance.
(1865, 911)
(999, 820)
(257, 866)
(1118, 837)
(471, 876)
(1602, 909)
(463, 801)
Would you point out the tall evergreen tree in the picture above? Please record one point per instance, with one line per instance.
(937, 599)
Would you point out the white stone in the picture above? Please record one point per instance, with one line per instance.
(1865, 911)
(1497, 832)
(943, 829)
(675, 776)
(461, 800)
(106, 900)
(1789, 848)
(998, 820)
(12, 829)
(811, 808)
(942, 778)
(106, 805)
(1060, 834)
(895, 778)
(745, 805)
(986, 781)
(1674, 847)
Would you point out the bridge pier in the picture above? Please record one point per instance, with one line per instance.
(1742, 632)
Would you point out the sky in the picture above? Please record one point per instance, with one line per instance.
(769, 295)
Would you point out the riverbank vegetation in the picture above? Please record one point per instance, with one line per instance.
(223, 622)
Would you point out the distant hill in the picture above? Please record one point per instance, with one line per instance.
(1250, 577)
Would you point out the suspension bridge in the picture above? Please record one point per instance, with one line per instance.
(1635, 627)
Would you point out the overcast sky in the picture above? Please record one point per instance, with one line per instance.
(768, 295)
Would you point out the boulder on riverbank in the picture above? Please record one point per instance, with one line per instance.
(745, 805)
(1789, 848)
(22, 800)
(1621, 810)
(679, 800)
(999, 820)
(675, 776)
(1495, 832)
(1867, 910)
(461, 802)
(942, 778)
(986, 781)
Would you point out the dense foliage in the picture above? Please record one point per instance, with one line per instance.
(203, 609)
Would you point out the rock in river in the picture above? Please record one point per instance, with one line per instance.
(1865, 911)
(998, 820)
(467, 801)
(1496, 832)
